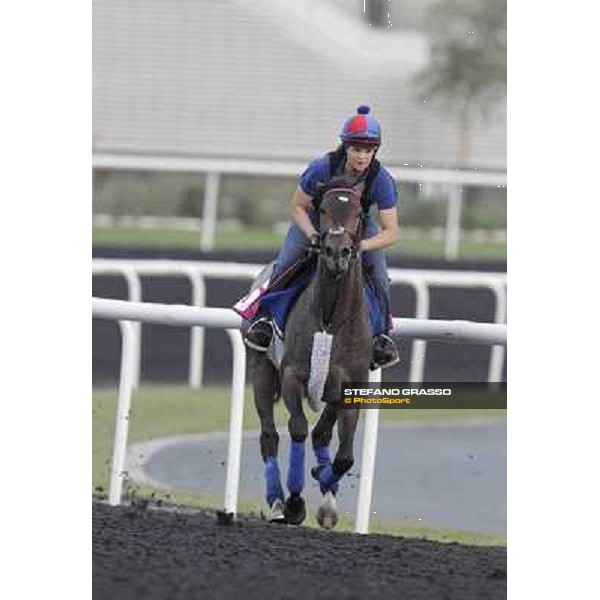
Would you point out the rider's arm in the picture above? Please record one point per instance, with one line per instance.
(389, 233)
(301, 203)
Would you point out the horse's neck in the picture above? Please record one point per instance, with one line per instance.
(337, 301)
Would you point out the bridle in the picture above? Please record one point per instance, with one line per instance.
(356, 235)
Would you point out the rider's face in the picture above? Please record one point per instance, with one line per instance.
(359, 156)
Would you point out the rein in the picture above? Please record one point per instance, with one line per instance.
(356, 237)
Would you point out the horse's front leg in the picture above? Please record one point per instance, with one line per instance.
(329, 477)
(344, 458)
(327, 515)
(321, 438)
(292, 391)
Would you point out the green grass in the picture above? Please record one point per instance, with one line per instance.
(264, 239)
(467, 250)
(158, 412)
(168, 238)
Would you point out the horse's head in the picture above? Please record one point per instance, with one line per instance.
(340, 225)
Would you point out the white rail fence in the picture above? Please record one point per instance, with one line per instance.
(453, 181)
(197, 272)
(129, 314)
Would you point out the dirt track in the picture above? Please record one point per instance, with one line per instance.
(149, 554)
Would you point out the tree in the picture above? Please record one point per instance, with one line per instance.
(467, 68)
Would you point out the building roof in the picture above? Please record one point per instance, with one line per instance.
(264, 79)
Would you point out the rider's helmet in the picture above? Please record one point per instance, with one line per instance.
(362, 128)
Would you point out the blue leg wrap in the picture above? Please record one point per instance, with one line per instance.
(295, 480)
(328, 481)
(324, 461)
(274, 489)
(322, 456)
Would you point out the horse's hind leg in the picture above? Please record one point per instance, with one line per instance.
(292, 391)
(266, 391)
(321, 438)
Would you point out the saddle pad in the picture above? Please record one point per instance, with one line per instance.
(250, 305)
(278, 303)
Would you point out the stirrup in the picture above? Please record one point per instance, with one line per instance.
(262, 339)
(385, 353)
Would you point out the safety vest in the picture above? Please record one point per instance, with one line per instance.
(336, 162)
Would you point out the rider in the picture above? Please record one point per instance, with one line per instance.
(354, 158)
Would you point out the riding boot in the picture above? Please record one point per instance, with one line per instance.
(259, 335)
(385, 353)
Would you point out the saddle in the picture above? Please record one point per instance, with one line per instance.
(276, 297)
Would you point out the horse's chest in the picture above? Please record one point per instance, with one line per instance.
(347, 354)
(350, 348)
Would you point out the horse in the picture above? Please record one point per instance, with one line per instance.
(327, 341)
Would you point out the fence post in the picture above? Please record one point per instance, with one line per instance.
(117, 472)
(236, 421)
(452, 241)
(367, 463)
(419, 347)
(209, 213)
(197, 333)
(135, 295)
(498, 352)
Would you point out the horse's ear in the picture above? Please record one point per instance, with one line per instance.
(323, 187)
(318, 196)
(359, 189)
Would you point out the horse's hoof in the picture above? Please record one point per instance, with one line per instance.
(327, 515)
(294, 510)
(275, 512)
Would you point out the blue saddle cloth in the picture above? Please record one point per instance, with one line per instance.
(278, 303)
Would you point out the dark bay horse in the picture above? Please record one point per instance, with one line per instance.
(328, 337)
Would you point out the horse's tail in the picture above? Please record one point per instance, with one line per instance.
(319, 368)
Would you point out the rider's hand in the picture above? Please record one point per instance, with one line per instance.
(314, 244)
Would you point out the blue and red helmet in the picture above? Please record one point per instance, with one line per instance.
(362, 128)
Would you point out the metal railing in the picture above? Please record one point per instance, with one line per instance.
(196, 272)
(127, 313)
(454, 181)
